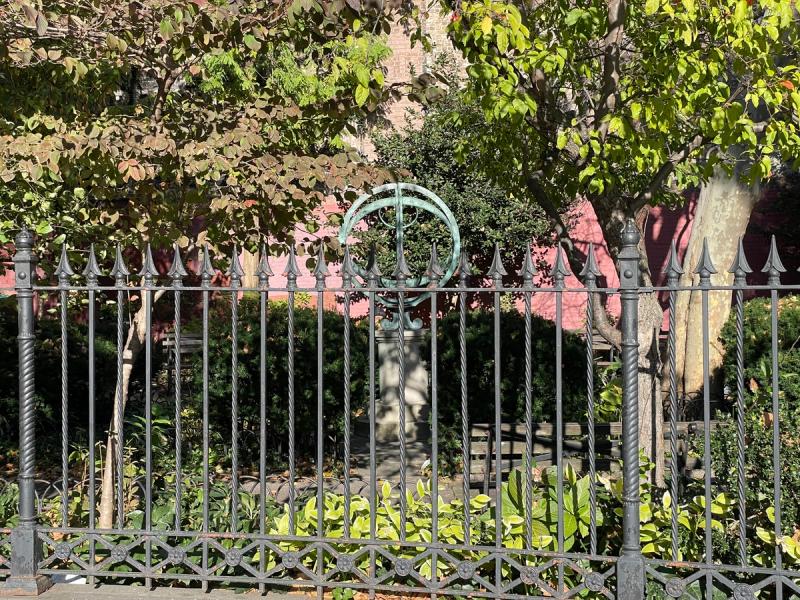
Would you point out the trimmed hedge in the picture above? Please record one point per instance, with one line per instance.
(758, 411)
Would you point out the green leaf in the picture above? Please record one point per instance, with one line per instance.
(362, 75)
(502, 40)
(166, 28)
(251, 42)
(361, 95)
(575, 15)
(43, 228)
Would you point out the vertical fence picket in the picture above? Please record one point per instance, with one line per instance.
(91, 273)
(291, 273)
(373, 278)
(264, 272)
(235, 273)
(434, 274)
(674, 272)
(463, 279)
(559, 273)
(496, 273)
(400, 276)
(740, 270)
(528, 272)
(348, 277)
(176, 273)
(63, 273)
(120, 274)
(206, 275)
(590, 273)
(773, 268)
(320, 273)
(705, 268)
(149, 274)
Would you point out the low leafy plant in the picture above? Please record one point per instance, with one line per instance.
(608, 405)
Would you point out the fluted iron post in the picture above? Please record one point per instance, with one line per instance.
(630, 567)
(25, 546)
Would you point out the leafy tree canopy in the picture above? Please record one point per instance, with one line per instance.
(124, 121)
(629, 103)
(426, 148)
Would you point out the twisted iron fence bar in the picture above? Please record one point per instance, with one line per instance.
(629, 569)
(235, 274)
(463, 274)
(705, 275)
(91, 274)
(291, 277)
(347, 410)
(148, 423)
(776, 436)
(178, 410)
(528, 424)
(120, 439)
(496, 272)
(206, 275)
(740, 432)
(434, 272)
(321, 272)
(64, 279)
(590, 279)
(263, 272)
(673, 414)
(401, 395)
(372, 278)
(26, 550)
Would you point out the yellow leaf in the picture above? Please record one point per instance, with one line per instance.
(486, 25)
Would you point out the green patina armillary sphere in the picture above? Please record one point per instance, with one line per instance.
(402, 197)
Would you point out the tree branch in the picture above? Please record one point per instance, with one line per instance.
(612, 42)
(665, 170)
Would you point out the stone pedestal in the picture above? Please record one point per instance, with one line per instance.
(387, 411)
(417, 402)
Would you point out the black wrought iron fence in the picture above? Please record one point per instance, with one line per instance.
(196, 493)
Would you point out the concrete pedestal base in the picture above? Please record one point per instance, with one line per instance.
(417, 403)
(387, 409)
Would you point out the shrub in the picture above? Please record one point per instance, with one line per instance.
(305, 374)
(758, 413)
(480, 373)
(757, 345)
(47, 356)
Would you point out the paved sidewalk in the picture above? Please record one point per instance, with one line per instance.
(63, 591)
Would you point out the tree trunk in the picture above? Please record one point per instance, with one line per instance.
(137, 334)
(651, 400)
(651, 407)
(250, 267)
(721, 217)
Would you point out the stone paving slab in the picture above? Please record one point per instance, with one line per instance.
(64, 591)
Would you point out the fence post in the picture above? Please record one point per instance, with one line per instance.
(25, 546)
(630, 567)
